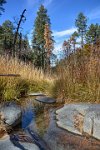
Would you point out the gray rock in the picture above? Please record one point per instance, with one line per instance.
(96, 129)
(36, 94)
(12, 113)
(45, 99)
(87, 128)
(6, 144)
(29, 146)
(80, 119)
(65, 119)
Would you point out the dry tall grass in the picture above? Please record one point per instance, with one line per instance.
(27, 71)
(79, 76)
(31, 79)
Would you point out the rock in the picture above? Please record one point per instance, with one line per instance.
(36, 94)
(30, 146)
(87, 125)
(66, 120)
(12, 113)
(45, 99)
(96, 128)
(8, 144)
(80, 119)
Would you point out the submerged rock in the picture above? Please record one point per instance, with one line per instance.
(45, 99)
(12, 113)
(80, 119)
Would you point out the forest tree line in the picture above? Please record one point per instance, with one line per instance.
(85, 35)
(41, 51)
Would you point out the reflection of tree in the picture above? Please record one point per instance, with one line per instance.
(42, 121)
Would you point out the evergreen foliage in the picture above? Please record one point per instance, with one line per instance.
(38, 40)
(2, 2)
(93, 34)
(81, 24)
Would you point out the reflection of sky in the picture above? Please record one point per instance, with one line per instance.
(27, 116)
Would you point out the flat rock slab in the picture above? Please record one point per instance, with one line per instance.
(8, 144)
(80, 118)
(36, 94)
(45, 99)
(12, 113)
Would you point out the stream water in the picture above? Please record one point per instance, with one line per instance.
(40, 118)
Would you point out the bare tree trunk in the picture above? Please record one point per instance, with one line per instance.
(20, 44)
(82, 42)
(16, 33)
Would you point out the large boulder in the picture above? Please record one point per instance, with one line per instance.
(11, 112)
(80, 119)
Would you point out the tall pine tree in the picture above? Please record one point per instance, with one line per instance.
(93, 34)
(38, 40)
(6, 38)
(81, 24)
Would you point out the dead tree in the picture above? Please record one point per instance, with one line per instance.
(22, 18)
(20, 44)
(49, 45)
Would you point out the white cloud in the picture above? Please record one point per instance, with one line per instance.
(94, 14)
(30, 36)
(59, 37)
(58, 47)
(47, 2)
(64, 33)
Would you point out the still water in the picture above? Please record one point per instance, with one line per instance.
(41, 119)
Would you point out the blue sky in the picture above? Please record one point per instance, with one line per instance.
(61, 12)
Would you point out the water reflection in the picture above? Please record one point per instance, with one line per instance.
(41, 119)
(28, 115)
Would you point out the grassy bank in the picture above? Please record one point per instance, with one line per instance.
(31, 79)
(78, 76)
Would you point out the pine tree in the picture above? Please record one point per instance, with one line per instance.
(38, 40)
(81, 24)
(7, 35)
(1, 39)
(73, 38)
(49, 45)
(2, 2)
(93, 34)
